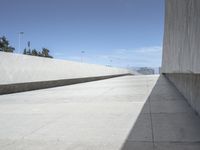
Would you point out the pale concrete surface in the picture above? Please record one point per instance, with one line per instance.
(189, 86)
(181, 44)
(18, 68)
(181, 48)
(124, 113)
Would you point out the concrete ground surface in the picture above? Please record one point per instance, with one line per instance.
(123, 113)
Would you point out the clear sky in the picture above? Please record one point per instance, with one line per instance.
(111, 32)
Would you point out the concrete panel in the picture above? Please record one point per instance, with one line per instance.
(17, 68)
(133, 145)
(23, 73)
(96, 118)
(189, 86)
(181, 46)
(177, 146)
(85, 116)
(170, 106)
(176, 127)
(21, 87)
(142, 129)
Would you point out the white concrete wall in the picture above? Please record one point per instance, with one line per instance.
(16, 68)
(181, 47)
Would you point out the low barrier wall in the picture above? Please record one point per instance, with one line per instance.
(21, 72)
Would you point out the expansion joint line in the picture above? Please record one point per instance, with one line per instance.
(151, 120)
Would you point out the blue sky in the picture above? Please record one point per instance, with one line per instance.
(120, 33)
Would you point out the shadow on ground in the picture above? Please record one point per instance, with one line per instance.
(165, 122)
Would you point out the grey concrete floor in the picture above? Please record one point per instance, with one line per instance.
(124, 113)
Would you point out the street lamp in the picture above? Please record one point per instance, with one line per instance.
(20, 35)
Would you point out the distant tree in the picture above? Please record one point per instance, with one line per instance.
(45, 53)
(34, 52)
(40, 54)
(25, 51)
(4, 45)
(28, 52)
(3, 42)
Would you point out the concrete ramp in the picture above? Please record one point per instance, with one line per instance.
(22, 73)
(123, 113)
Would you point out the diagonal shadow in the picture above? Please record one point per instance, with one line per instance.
(164, 122)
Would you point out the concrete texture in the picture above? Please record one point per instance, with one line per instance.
(23, 73)
(123, 113)
(189, 85)
(181, 46)
(21, 87)
(16, 68)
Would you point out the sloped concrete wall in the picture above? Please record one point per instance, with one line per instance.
(16, 69)
(181, 48)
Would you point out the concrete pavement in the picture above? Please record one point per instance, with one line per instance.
(123, 113)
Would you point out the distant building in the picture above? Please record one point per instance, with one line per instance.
(145, 70)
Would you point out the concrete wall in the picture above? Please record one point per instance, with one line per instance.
(16, 69)
(189, 86)
(181, 48)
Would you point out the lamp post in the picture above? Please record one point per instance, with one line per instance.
(20, 35)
